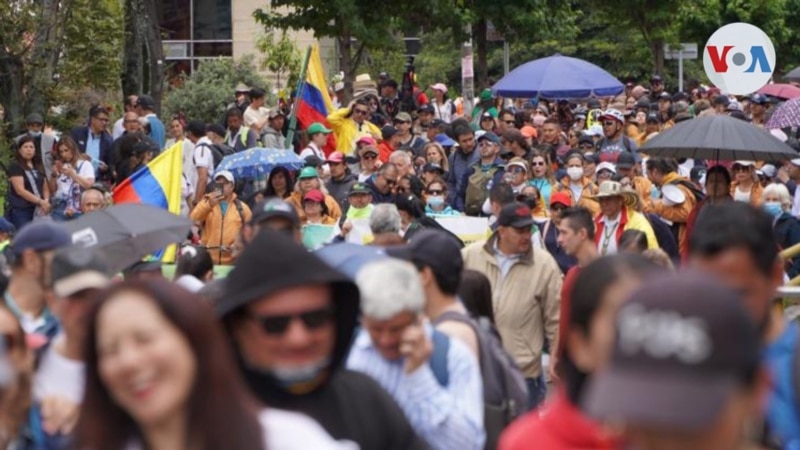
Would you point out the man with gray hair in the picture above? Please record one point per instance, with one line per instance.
(385, 223)
(435, 379)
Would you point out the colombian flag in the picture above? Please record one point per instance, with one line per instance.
(315, 104)
(157, 184)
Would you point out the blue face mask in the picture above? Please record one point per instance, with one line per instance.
(773, 208)
(435, 202)
(35, 133)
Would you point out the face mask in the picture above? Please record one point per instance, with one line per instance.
(531, 202)
(773, 208)
(35, 133)
(435, 201)
(300, 375)
(575, 173)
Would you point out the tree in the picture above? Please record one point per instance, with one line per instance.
(205, 94)
(280, 57)
(357, 26)
(51, 47)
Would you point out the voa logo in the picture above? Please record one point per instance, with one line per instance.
(739, 58)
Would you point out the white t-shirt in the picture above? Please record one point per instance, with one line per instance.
(608, 239)
(64, 183)
(252, 116)
(203, 157)
(59, 376)
(741, 196)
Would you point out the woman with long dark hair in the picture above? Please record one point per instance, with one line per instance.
(586, 339)
(279, 183)
(159, 376)
(72, 174)
(27, 189)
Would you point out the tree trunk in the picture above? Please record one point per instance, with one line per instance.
(345, 64)
(482, 49)
(131, 65)
(46, 50)
(155, 52)
(11, 89)
(658, 57)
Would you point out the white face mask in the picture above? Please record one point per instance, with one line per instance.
(575, 173)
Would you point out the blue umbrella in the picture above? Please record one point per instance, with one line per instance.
(349, 258)
(558, 76)
(258, 162)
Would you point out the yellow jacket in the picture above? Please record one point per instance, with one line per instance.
(587, 195)
(217, 231)
(526, 302)
(347, 131)
(629, 220)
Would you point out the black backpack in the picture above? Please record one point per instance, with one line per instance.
(218, 151)
(505, 393)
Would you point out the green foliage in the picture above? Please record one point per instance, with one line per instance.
(390, 60)
(280, 57)
(206, 93)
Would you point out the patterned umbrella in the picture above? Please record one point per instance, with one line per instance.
(258, 162)
(780, 90)
(786, 115)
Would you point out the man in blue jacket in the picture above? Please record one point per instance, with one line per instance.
(94, 140)
(146, 107)
(460, 161)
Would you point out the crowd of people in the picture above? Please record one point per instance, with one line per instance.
(618, 300)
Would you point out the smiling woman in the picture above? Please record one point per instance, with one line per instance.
(159, 376)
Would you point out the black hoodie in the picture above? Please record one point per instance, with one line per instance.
(349, 405)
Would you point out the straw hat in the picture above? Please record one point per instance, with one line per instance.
(615, 189)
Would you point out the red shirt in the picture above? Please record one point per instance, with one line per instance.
(558, 425)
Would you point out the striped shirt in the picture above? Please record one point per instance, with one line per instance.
(447, 418)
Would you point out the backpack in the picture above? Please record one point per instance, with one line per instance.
(218, 151)
(477, 190)
(505, 393)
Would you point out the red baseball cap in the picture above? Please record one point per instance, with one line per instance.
(335, 157)
(314, 195)
(562, 198)
(366, 140)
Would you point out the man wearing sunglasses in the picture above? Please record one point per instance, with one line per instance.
(383, 183)
(291, 319)
(614, 141)
(351, 123)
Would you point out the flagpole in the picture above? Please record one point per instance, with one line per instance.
(298, 94)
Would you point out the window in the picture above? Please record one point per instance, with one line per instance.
(193, 30)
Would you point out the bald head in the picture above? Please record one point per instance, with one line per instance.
(131, 122)
(92, 200)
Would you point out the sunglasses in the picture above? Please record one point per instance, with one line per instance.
(361, 112)
(537, 163)
(557, 207)
(741, 168)
(390, 182)
(509, 122)
(435, 192)
(516, 170)
(369, 156)
(609, 123)
(312, 320)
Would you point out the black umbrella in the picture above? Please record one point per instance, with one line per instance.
(124, 234)
(718, 138)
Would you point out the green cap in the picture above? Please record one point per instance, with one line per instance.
(317, 127)
(486, 95)
(308, 172)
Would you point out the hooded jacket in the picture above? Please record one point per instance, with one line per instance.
(349, 405)
(340, 189)
(559, 425)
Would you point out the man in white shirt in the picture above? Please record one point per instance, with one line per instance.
(256, 116)
(59, 378)
(398, 348)
(119, 126)
(202, 157)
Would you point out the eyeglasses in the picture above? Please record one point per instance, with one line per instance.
(509, 122)
(609, 123)
(369, 156)
(557, 207)
(389, 181)
(361, 112)
(312, 320)
(516, 170)
(537, 163)
(436, 192)
(102, 119)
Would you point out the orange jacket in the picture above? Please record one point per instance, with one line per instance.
(384, 151)
(756, 191)
(220, 231)
(677, 214)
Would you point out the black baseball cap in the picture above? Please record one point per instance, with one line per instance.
(76, 270)
(431, 167)
(515, 215)
(359, 188)
(652, 117)
(41, 235)
(684, 343)
(145, 101)
(274, 207)
(431, 248)
(626, 160)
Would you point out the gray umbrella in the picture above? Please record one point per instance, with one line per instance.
(794, 75)
(718, 138)
(124, 234)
